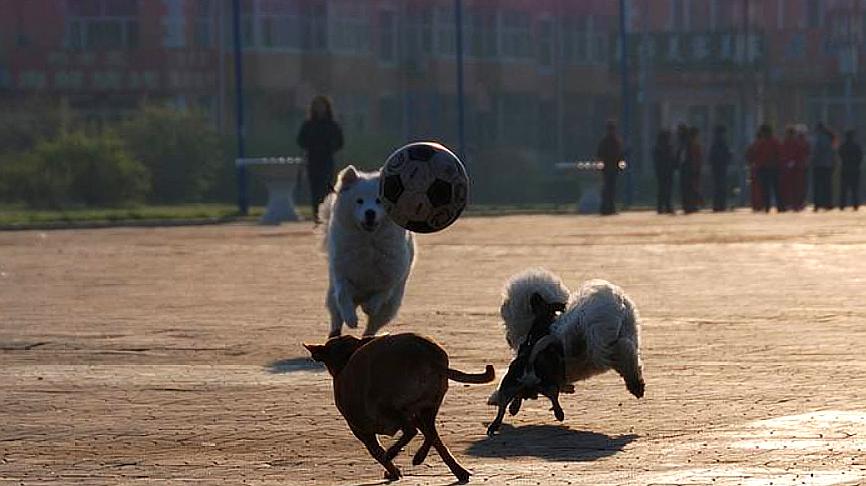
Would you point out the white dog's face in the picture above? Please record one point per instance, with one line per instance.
(359, 194)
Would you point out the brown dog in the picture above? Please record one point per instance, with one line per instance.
(389, 383)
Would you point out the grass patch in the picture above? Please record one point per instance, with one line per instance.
(19, 215)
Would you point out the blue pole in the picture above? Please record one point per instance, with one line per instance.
(243, 203)
(626, 102)
(461, 135)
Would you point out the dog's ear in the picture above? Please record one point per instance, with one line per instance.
(537, 303)
(317, 352)
(347, 177)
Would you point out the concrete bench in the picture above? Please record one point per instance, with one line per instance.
(280, 175)
(590, 199)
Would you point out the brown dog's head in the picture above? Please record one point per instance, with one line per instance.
(335, 353)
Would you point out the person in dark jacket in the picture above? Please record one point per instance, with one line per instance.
(720, 158)
(665, 162)
(851, 156)
(681, 163)
(610, 152)
(823, 165)
(691, 171)
(320, 137)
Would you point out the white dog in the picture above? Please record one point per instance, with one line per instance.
(369, 256)
(598, 331)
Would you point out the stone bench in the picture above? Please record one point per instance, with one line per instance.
(280, 175)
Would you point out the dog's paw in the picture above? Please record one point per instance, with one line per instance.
(558, 413)
(462, 476)
(393, 475)
(636, 388)
(567, 389)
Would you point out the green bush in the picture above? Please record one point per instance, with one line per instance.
(181, 150)
(75, 170)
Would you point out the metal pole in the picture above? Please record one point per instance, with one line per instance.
(243, 203)
(746, 133)
(623, 67)
(461, 135)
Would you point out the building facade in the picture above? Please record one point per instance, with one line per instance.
(541, 75)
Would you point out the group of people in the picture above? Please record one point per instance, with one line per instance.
(778, 169)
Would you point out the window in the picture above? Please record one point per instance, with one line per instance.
(814, 12)
(314, 26)
(515, 36)
(581, 42)
(387, 36)
(678, 14)
(349, 27)
(204, 24)
(173, 24)
(419, 32)
(481, 32)
(445, 41)
(545, 42)
(279, 24)
(102, 24)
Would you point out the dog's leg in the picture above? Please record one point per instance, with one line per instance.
(409, 433)
(345, 302)
(422, 452)
(375, 449)
(626, 362)
(552, 393)
(515, 406)
(336, 320)
(497, 422)
(427, 424)
(387, 310)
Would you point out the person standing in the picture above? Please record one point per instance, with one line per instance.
(320, 137)
(681, 163)
(823, 162)
(764, 157)
(720, 158)
(692, 172)
(851, 155)
(792, 169)
(665, 161)
(800, 175)
(610, 152)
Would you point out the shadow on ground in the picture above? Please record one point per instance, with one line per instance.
(551, 442)
(291, 365)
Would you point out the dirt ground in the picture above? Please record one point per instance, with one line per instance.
(154, 356)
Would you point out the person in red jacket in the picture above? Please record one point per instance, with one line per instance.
(792, 170)
(764, 158)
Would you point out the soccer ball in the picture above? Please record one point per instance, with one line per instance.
(423, 187)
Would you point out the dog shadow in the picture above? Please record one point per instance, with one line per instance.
(550, 442)
(293, 365)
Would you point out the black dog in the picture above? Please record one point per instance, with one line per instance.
(539, 366)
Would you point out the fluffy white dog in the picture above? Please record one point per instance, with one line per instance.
(598, 331)
(369, 256)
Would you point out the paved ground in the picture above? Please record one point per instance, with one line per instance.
(173, 355)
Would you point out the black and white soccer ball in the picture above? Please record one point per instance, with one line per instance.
(423, 187)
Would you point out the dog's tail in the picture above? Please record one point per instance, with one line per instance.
(462, 377)
(516, 309)
(324, 213)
